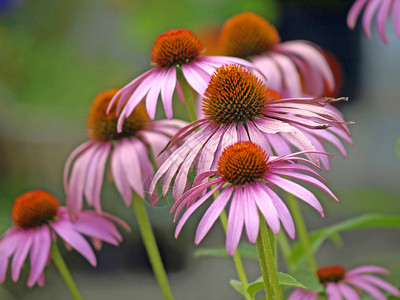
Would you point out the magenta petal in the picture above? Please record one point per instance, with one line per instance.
(152, 95)
(212, 214)
(65, 230)
(235, 221)
(381, 17)
(21, 253)
(298, 191)
(347, 291)
(267, 208)
(194, 79)
(367, 287)
(379, 282)
(270, 70)
(119, 176)
(251, 217)
(333, 291)
(257, 137)
(39, 255)
(369, 12)
(396, 17)
(366, 269)
(207, 156)
(355, 12)
(168, 90)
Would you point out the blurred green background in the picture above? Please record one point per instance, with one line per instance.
(55, 56)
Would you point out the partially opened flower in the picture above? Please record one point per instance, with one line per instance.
(177, 50)
(245, 176)
(237, 106)
(292, 68)
(349, 285)
(38, 219)
(127, 152)
(383, 9)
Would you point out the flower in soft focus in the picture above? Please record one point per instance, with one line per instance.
(383, 9)
(131, 166)
(246, 176)
(339, 283)
(237, 106)
(292, 68)
(38, 218)
(172, 50)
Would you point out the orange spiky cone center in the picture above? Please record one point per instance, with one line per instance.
(242, 163)
(333, 273)
(247, 34)
(234, 95)
(34, 208)
(103, 127)
(175, 47)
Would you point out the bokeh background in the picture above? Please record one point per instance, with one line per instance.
(56, 55)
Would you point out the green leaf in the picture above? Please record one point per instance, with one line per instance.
(308, 278)
(285, 280)
(246, 250)
(318, 237)
(237, 285)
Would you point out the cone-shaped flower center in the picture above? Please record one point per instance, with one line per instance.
(247, 34)
(175, 47)
(334, 273)
(34, 208)
(242, 163)
(103, 127)
(234, 95)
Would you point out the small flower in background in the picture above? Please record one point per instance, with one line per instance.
(339, 284)
(172, 49)
(245, 176)
(237, 106)
(38, 217)
(131, 166)
(383, 9)
(292, 68)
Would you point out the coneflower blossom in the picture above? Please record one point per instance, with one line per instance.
(131, 166)
(176, 48)
(237, 106)
(383, 9)
(341, 284)
(38, 218)
(285, 65)
(245, 176)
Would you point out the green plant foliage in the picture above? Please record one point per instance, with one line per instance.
(246, 250)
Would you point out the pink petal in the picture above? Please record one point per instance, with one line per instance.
(366, 269)
(119, 176)
(368, 15)
(377, 294)
(212, 214)
(168, 90)
(396, 17)
(333, 291)
(381, 18)
(354, 12)
(235, 221)
(258, 138)
(380, 283)
(267, 208)
(21, 253)
(270, 70)
(347, 291)
(152, 95)
(251, 218)
(39, 255)
(194, 79)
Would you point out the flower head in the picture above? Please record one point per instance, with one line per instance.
(238, 107)
(38, 218)
(383, 9)
(127, 151)
(175, 50)
(245, 176)
(339, 283)
(291, 68)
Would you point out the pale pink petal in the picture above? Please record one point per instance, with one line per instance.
(396, 17)
(333, 291)
(21, 253)
(119, 176)
(366, 269)
(379, 282)
(355, 12)
(251, 218)
(270, 70)
(347, 292)
(381, 18)
(207, 156)
(279, 144)
(146, 167)
(212, 214)
(367, 287)
(39, 254)
(258, 138)
(228, 138)
(152, 95)
(168, 90)
(267, 208)
(241, 133)
(40, 281)
(194, 79)
(298, 294)
(369, 12)
(235, 221)
(297, 190)
(65, 230)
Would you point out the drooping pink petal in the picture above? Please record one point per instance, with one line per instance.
(267, 208)
(207, 156)
(298, 191)
(379, 282)
(279, 144)
(333, 291)
(270, 70)
(369, 12)
(366, 269)
(251, 218)
(381, 18)
(258, 138)
(194, 79)
(21, 253)
(167, 91)
(39, 254)
(65, 230)
(212, 214)
(355, 12)
(235, 221)
(119, 176)
(154, 92)
(367, 287)
(131, 163)
(396, 17)
(228, 138)
(347, 291)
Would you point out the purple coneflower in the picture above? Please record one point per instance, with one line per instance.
(383, 9)
(286, 66)
(339, 284)
(237, 106)
(38, 218)
(176, 48)
(245, 175)
(131, 166)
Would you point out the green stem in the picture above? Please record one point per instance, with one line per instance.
(270, 260)
(65, 274)
(301, 230)
(264, 269)
(187, 94)
(285, 249)
(151, 246)
(237, 260)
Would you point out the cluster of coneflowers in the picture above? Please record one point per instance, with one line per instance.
(258, 135)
